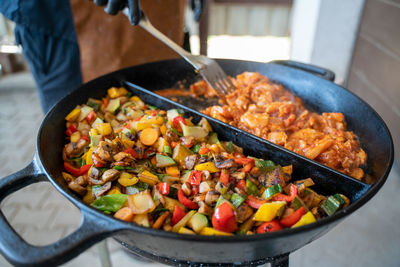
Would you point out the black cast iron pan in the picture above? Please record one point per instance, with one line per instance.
(317, 93)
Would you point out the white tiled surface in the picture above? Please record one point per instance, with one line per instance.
(369, 237)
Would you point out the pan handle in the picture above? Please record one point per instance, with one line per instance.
(318, 71)
(18, 252)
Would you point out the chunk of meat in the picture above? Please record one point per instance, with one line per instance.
(170, 136)
(211, 197)
(243, 212)
(275, 176)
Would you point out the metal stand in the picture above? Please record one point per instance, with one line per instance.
(104, 254)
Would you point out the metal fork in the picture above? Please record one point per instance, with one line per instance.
(207, 67)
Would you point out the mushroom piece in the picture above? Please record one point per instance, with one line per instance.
(190, 161)
(99, 192)
(104, 151)
(211, 197)
(204, 209)
(170, 136)
(243, 212)
(110, 175)
(187, 189)
(123, 156)
(74, 186)
(225, 164)
(94, 173)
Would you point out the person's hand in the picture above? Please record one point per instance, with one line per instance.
(114, 6)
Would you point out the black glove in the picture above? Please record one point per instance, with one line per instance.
(114, 6)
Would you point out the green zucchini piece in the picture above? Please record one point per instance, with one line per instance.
(237, 199)
(194, 131)
(213, 138)
(340, 199)
(164, 161)
(331, 205)
(113, 106)
(167, 149)
(197, 222)
(196, 148)
(95, 140)
(265, 165)
(297, 203)
(272, 191)
(251, 188)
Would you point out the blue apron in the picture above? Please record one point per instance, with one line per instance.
(45, 30)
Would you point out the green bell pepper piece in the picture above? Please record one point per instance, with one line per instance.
(110, 203)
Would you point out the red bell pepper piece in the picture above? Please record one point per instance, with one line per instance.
(164, 188)
(224, 177)
(132, 152)
(91, 115)
(248, 167)
(289, 198)
(75, 171)
(174, 144)
(224, 218)
(293, 218)
(71, 129)
(185, 201)
(241, 185)
(195, 178)
(243, 161)
(177, 215)
(105, 102)
(153, 113)
(84, 137)
(204, 150)
(254, 202)
(177, 121)
(271, 226)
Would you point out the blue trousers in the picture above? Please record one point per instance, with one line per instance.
(54, 63)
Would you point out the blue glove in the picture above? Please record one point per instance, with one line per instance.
(114, 6)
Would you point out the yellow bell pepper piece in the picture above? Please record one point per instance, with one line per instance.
(104, 128)
(75, 137)
(127, 179)
(163, 129)
(149, 122)
(173, 171)
(148, 177)
(305, 219)
(88, 158)
(184, 230)
(88, 198)
(160, 144)
(268, 211)
(114, 190)
(288, 169)
(73, 115)
(128, 143)
(122, 91)
(135, 99)
(93, 132)
(113, 92)
(67, 177)
(207, 166)
(212, 231)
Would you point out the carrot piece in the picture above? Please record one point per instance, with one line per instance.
(124, 214)
(159, 222)
(149, 136)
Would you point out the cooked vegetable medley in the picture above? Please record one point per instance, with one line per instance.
(268, 110)
(158, 169)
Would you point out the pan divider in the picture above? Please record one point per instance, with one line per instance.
(327, 180)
